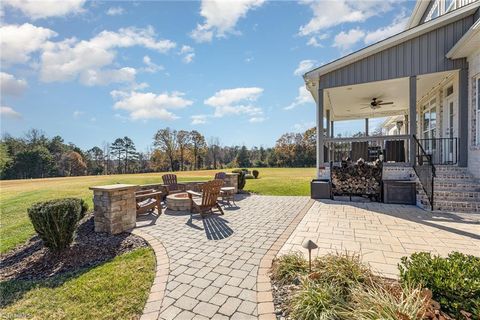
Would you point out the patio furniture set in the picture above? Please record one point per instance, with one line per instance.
(203, 199)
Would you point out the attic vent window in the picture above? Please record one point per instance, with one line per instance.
(449, 90)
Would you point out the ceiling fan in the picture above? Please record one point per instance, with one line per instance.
(376, 104)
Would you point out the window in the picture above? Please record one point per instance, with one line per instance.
(429, 119)
(434, 12)
(449, 90)
(477, 90)
(449, 5)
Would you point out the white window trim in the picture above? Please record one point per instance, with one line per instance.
(477, 106)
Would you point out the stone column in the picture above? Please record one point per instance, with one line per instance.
(114, 207)
(231, 180)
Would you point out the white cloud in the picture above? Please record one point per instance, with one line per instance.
(301, 127)
(333, 13)
(314, 40)
(235, 101)
(397, 26)
(257, 119)
(303, 97)
(188, 53)
(8, 112)
(115, 11)
(221, 17)
(151, 67)
(199, 119)
(88, 60)
(11, 86)
(304, 66)
(77, 113)
(94, 77)
(345, 40)
(36, 9)
(18, 42)
(150, 105)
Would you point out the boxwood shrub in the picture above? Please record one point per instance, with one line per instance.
(454, 280)
(55, 221)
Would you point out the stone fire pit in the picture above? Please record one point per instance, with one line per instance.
(178, 201)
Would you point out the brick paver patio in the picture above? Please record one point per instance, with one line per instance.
(383, 233)
(213, 263)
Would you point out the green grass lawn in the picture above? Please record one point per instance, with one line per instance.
(17, 196)
(117, 289)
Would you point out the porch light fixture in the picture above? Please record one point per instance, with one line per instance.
(310, 245)
(399, 126)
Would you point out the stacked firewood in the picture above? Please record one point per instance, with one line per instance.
(360, 178)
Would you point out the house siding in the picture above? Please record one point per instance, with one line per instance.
(473, 144)
(420, 55)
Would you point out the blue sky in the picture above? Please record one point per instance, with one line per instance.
(95, 71)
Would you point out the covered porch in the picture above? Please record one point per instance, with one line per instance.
(417, 114)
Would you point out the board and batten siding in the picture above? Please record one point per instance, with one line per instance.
(421, 55)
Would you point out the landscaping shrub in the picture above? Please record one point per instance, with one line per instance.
(255, 173)
(315, 301)
(241, 178)
(249, 176)
(55, 221)
(342, 270)
(454, 281)
(289, 267)
(383, 301)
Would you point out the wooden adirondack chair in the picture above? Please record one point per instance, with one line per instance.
(206, 201)
(148, 200)
(171, 184)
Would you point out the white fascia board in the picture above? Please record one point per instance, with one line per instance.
(417, 13)
(314, 75)
(466, 44)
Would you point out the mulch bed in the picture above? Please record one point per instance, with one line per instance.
(32, 261)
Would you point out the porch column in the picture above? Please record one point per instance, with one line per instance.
(332, 131)
(412, 116)
(463, 118)
(320, 136)
(328, 124)
(366, 127)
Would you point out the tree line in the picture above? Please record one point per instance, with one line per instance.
(37, 156)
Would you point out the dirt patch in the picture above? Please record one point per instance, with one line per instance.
(32, 261)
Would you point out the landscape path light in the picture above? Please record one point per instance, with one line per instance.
(310, 245)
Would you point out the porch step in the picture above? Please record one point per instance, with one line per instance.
(454, 176)
(455, 190)
(446, 185)
(456, 195)
(449, 206)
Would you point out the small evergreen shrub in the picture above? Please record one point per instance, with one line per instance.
(55, 221)
(288, 268)
(454, 281)
(241, 178)
(249, 176)
(255, 173)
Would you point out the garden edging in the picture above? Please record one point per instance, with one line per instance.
(162, 269)
(266, 309)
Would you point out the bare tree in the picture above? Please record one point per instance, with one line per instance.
(214, 149)
(198, 147)
(183, 142)
(166, 140)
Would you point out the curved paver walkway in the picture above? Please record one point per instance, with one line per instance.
(213, 263)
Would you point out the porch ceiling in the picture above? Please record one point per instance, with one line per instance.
(353, 102)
